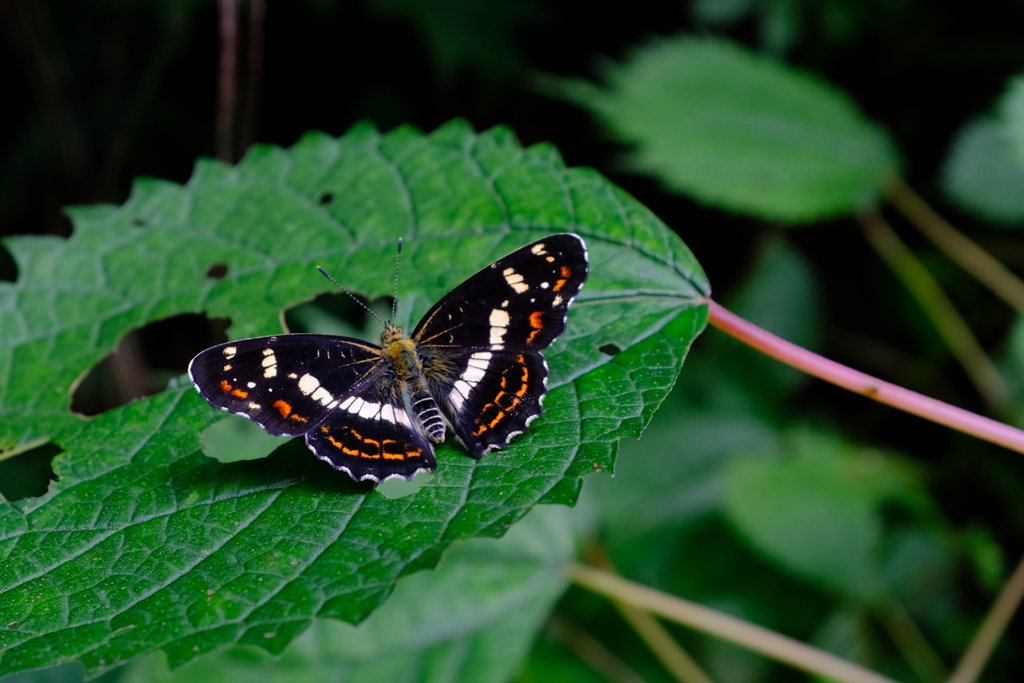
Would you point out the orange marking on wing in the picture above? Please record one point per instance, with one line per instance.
(496, 420)
(559, 284)
(298, 418)
(566, 271)
(283, 407)
(225, 386)
(414, 454)
(526, 375)
(324, 428)
(391, 455)
(533, 335)
(497, 399)
(240, 394)
(483, 428)
(519, 357)
(335, 442)
(535, 320)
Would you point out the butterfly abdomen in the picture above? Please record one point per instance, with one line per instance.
(428, 414)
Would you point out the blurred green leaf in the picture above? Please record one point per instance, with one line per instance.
(984, 175)
(780, 294)
(817, 510)
(466, 34)
(472, 619)
(741, 131)
(145, 543)
(1011, 113)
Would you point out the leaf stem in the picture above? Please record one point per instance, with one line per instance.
(862, 383)
(957, 246)
(743, 633)
(937, 306)
(591, 650)
(910, 641)
(976, 656)
(657, 638)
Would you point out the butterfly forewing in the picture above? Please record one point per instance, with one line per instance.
(519, 302)
(288, 383)
(481, 343)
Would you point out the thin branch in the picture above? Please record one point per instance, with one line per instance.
(971, 257)
(673, 657)
(742, 633)
(861, 383)
(937, 306)
(988, 636)
(592, 651)
(911, 641)
(227, 80)
(254, 72)
(657, 638)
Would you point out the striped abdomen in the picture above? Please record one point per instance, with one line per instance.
(428, 414)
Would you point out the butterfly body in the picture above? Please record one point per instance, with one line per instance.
(473, 362)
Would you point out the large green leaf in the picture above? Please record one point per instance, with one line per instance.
(471, 620)
(741, 131)
(144, 543)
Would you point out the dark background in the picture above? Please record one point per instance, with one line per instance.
(99, 92)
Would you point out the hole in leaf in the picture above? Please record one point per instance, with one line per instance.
(217, 271)
(236, 438)
(138, 222)
(326, 197)
(8, 266)
(610, 349)
(337, 313)
(145, 361)
(400, 488)
(28, 474)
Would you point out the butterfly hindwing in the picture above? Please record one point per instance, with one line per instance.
(494, 398)
(372, 436)
(519, 302)
(287, 383)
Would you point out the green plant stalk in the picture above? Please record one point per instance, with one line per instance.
(672, 656)
(911, 642)
(591, 650)
(992, 628)
(982, 265)
(937, 306)
(864, 384)
(742, 633)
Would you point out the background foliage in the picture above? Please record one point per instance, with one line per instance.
(739, 490)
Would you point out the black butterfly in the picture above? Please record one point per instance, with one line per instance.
(474, 362)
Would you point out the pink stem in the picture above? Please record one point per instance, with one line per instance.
(858, 382)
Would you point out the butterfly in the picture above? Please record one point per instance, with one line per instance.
(473, 364)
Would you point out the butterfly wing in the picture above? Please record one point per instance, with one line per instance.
(518, 303)
(287, 384)
(480, 345)
(373, 436)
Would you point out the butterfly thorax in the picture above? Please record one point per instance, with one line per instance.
(401, 351)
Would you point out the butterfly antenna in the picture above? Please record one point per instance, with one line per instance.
(354, 298)
(394, 303)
